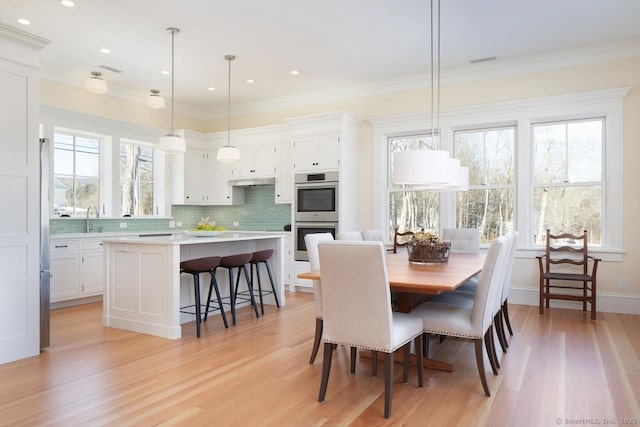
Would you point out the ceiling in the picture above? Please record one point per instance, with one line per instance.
(336, 45)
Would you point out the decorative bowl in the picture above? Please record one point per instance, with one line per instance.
(429, 252)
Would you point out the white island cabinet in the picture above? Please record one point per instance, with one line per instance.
(144, 289)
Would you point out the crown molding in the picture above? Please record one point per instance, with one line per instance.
(467, 73)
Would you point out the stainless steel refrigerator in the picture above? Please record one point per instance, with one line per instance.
(45, 272)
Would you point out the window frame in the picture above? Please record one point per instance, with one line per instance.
(523, 113)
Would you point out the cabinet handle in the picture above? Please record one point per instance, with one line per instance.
(101, 244)
(61, 246)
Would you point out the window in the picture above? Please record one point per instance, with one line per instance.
(136, 179)
(76, 174)
(568, 178)
(489, 204)
(409, 209)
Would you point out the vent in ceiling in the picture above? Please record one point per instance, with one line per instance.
(113, 70)
(487, 59)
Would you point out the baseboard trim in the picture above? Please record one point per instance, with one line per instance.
(73, 302)
(606, 302)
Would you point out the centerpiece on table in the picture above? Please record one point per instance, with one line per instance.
(206, 228)
(427, 247)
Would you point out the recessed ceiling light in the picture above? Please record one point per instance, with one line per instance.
(67, 3)
(250, 81)
(105, 50)
(24, 21)
(295, 72)
(211, 89)
(165, 72)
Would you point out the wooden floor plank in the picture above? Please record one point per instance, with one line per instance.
(559, 366)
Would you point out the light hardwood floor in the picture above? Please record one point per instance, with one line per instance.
(561, 368)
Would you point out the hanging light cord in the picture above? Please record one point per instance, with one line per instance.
(432, 87)
(435, 88)
(229, 105)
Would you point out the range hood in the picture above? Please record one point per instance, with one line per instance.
(250, 182)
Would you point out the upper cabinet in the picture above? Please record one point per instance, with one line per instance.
(256, 161)
(284, 173)
(205, 180)
(315, 153)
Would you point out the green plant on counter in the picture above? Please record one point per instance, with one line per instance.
(206, 225)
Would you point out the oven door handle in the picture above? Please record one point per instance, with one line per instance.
(316, 185)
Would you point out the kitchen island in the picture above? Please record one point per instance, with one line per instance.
(144, 289)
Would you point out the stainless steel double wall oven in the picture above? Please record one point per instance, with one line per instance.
(316, 207)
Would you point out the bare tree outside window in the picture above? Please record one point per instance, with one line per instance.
(568, 178)
(136, 179)
(489, 204)
(76, 174)
(409, 209)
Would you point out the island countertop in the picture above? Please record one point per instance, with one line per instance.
(186, 239)
(144, 290)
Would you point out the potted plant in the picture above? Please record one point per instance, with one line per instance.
(427, 247)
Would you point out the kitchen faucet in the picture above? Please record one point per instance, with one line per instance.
(88, 226)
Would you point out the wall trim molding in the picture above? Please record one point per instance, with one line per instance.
(606, 301)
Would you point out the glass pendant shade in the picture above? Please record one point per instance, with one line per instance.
(228, 154)
(95, 84)
(172, 144)
(155, 101)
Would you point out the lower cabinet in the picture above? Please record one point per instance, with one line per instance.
(76, 269)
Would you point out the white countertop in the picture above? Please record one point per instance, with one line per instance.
(116, 234)
(184, 239)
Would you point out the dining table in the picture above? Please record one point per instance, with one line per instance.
(413, 282)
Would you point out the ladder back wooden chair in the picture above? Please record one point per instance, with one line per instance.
(400, 239)
(559, 251)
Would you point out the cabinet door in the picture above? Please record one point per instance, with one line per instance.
(284, 174)
(328, 154)
(194, 177)
(256, 161)
(92, 262)
(218, 191)
(65, 283)
(317, 153)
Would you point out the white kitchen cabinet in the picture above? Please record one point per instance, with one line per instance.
(315, 153)
(205, 180)
(256, 161)
(219, 192)
(284, 173)
(194, 177)
(92, 268)
(65, 280)
(76, 269)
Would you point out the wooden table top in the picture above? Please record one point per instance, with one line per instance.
(426, 279)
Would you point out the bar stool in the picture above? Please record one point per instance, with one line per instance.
(195, 267)
(258, 258)
(240, 262)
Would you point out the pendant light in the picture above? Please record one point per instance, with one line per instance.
(96, 84)
(431, 169)
(229, 153)
(172, 143)
(154, 100)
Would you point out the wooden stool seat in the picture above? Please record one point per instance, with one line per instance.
(257, 258)
(195, 267)
(240, 262)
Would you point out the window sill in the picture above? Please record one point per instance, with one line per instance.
(608, 255)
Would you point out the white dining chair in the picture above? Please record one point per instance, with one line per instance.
(463, 240)
(372, 236)
(504, 307)
(349, 235)
(311, 242)
(357, 312)
(473, 322)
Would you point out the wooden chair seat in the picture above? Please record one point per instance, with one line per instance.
(568, 277)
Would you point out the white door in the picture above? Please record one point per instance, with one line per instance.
(20, 195)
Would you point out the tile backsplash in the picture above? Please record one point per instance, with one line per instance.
(259, 212)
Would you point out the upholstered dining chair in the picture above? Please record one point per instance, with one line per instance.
(349, 235)
(311, 242)
(473, 322)
(356, 303)
(372, 236)
(463, 240)
(502, 314)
